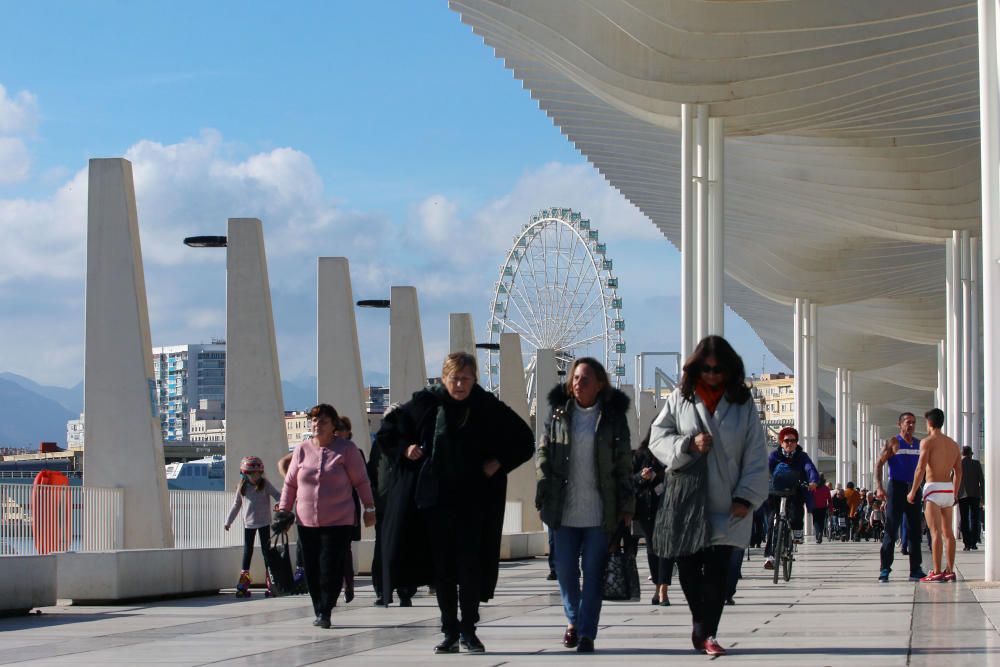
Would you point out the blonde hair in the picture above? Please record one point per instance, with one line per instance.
(456, 361)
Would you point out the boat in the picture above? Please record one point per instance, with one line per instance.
(206, 474)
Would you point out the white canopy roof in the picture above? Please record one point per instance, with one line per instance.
(852, 151)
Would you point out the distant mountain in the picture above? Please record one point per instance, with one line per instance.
(70, 398)
(27, 418)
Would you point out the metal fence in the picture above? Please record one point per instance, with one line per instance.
(199, 518)
(39, 519)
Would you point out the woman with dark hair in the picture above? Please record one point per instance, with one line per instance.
(584, 489)
(451, 447)
(647, 478)
(711, 415)
(323, 472)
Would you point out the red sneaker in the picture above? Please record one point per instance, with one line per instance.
(948, 577)
(933, 577)
(713, 647)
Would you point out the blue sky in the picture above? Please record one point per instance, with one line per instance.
(385, 132)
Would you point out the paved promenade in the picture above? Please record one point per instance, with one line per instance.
(833, 612)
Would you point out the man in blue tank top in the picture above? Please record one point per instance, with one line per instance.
(901, 452)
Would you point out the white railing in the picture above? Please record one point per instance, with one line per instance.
(40, 519)
(199, 518)
(512, 518)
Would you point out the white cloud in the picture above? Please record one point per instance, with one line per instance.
(18, 114)
(18, 118)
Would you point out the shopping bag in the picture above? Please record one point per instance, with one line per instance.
(279, 566)
(621, 573)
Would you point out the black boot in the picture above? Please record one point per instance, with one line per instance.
(448, 645)
(470, 642)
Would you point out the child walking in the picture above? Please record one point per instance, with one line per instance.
(256, 517)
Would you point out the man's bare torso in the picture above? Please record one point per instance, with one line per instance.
(942, 455)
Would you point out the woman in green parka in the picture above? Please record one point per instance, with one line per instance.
(584, 489)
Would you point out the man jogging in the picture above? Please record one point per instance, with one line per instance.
(901, 452)
(941, 461)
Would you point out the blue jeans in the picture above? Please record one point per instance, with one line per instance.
(582, 607)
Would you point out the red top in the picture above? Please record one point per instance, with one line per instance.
(320, 480)
(821, 496)
(710, 397)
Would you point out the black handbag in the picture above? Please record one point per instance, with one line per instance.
(682, 521)
(621, 573)
(279, 566)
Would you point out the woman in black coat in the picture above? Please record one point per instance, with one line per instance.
(647, 478)
(452, 447)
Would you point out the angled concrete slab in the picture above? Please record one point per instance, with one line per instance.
(255, 413)
(339, 379)
(513, 391)
(460, 333)
(407, 368)
(122, 430)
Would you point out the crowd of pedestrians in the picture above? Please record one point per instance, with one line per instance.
(700, 489)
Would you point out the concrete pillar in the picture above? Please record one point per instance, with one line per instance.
(688, 314)
(798, 361)
(460, 333)
(716, 226)
(965, 435)
(546, 377)
(975, 368)
(989, 132)
(955, 334)
(647, 411)
(339, 379)
(812, 399)
(520, 483)
(840, 394)
(848, 424)
(122, 428)
(255, 410)
(635, 436)
(407, 368)
(941, 393)
(701, 187)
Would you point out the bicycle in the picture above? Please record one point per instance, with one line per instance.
(784, 547)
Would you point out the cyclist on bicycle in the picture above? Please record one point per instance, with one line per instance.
(790, 466)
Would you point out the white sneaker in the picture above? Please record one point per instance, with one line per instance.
(797, 536)
(769, 563)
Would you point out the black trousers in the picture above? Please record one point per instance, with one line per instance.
(249, 534)
(819, 523)
(969, 513)
(456, 545)
(323, 552)
(660, 569)
(896, 507)
(704, 579)
(796, 509)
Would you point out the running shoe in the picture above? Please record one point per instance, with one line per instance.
(918, 575)
(948, 577)
(769, 563)
(932, 578)
(712, 647)
(883, 576)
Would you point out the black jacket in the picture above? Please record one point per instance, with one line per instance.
(457, 439)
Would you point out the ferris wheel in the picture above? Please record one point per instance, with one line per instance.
(558, 291)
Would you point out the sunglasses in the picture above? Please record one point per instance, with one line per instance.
(791, 440)
(705, 368)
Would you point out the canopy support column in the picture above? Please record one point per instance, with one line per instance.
(687, 233)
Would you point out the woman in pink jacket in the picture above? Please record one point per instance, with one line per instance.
(323, 472)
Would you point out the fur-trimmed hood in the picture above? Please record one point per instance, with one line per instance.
(617, 401)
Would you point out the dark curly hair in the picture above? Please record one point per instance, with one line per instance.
(324, 410)
(737, 391)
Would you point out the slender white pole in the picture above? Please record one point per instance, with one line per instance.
(955, 356)
(701, 221)
(838, 457)
(687, 234)
(848, 418)
(813, 398)
(965, 434)
(989, 133)
(798, 367)
(941, 395)
(716, 226)
(975, 369)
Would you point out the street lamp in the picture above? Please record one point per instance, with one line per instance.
(487, 346)
(205, 241)
(373, 303)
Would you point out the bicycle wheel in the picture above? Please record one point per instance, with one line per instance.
(786, 562)
(778, 547)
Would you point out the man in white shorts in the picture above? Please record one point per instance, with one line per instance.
(941, 461)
